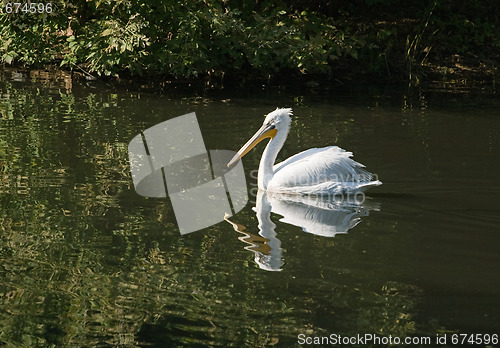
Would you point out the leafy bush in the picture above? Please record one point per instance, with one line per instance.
(248, 38)
(183, 39)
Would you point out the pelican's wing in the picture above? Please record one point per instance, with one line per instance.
(322, 168)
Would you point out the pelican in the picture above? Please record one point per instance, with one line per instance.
(317, 171)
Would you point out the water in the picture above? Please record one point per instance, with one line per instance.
(85, 261)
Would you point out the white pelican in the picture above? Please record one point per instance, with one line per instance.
(317, 171)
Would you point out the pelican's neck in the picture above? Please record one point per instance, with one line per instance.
(269, 157)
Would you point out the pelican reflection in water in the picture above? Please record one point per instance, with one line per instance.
(322, 216)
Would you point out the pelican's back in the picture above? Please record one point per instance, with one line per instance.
(320, 171)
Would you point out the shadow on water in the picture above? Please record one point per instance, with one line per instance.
(85, 261)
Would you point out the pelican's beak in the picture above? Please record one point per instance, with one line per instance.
(266, 131)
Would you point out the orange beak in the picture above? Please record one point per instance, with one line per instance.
(266, 131)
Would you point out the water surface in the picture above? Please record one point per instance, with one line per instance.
(85, 261)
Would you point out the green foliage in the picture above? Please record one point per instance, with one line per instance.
(174, 38)
(248, 38)
(110, 47)
(29, 38)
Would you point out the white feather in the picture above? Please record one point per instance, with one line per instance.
(320, 171)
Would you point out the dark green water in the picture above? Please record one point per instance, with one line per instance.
(85, 261)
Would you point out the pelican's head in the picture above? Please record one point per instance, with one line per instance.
(276, 122)
(280, 118)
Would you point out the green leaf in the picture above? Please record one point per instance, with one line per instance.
(9, 57)
(107, 32)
